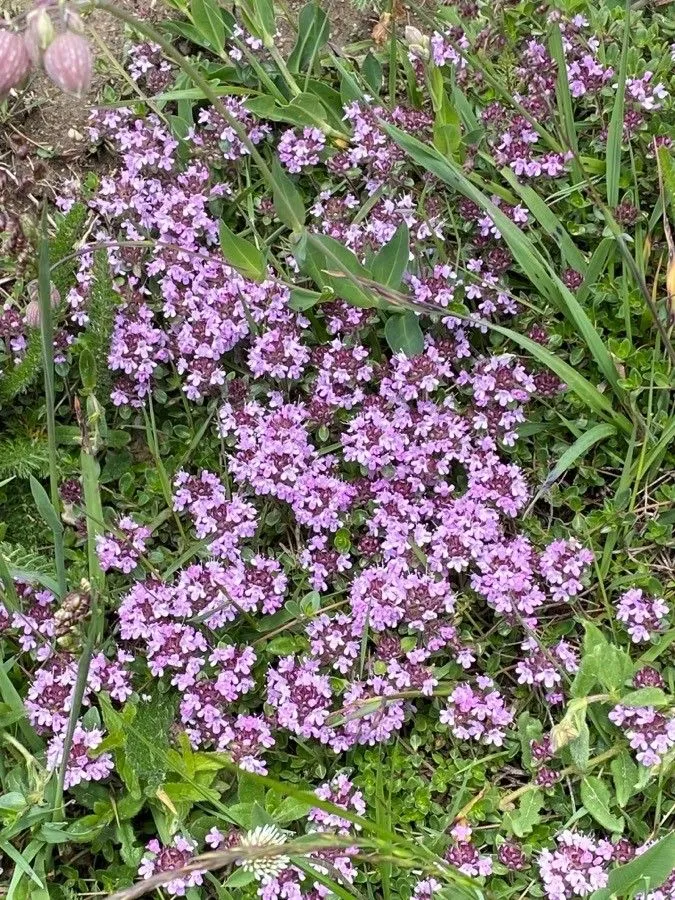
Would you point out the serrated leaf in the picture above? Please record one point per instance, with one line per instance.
(404, 335)
(242, 254)
(523, 820)
(595, 796)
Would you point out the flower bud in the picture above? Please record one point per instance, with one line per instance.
(69, 64)
(417, 42)
(32, 314)
(14, 61)
(33, 291)
(72, 19)
(39, 34)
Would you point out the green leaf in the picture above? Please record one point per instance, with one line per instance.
(579, 748)
(625, 774)
(330, 264)
(391, 260)
(313, 31)
(242, 254)
(404, 335)
(648, 696)
(522, 821)
(596, 798)
(148, 740)
(302, 299)
(87, 365)
(44, 506)
(615, 668)
(548, 221)
(615, 133)
(302, 110)
(576, 451)
(20, 862)
(583, 388)
(240, 878)
(372, 72)
(206, 17)
(287, 199)
(646, 872)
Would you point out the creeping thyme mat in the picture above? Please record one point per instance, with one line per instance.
(337, 551)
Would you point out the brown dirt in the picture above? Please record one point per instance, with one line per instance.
(43, 140)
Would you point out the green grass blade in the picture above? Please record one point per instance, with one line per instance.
(615, 133)
(526, 254)
(577, 450)
(564, 97)
(602, 255)
(548, 221)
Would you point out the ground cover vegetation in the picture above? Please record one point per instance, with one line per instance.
(336, 469)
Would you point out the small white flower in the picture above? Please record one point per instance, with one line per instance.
(264, 868)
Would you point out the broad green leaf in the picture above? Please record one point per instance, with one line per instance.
(148, 740)
(87, 365)
(372, 72)
(579, 748)
(648, 696)
(535, 267)
(404, 335)
(259, 17)
(44, 506)
(313, 31)
(332, 265)
(287, 199)
(616, 667)
(625, 774)
(523, 820)
(646, 872)
(242, 254)
(302, 110)
(206, 18)
(302, 299)
(391, 260)
(596, 798)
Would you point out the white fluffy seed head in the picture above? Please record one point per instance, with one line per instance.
(69, 63)
(264, 868)
(15, 62)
